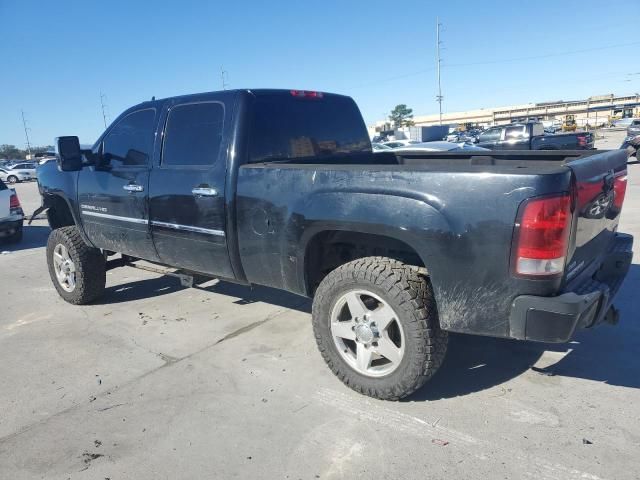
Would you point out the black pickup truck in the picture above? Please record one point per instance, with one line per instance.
(531, 136)
(281, 188)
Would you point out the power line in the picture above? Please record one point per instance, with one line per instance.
(438, 61)
(26, 132)
(492, 62)
(224, 76)
(104, 115)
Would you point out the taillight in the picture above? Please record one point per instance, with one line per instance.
(619, 190)
(542, 236)
(14, 202)
(306, 94)
(582, 140)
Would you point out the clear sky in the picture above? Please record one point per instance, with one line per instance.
(59, 56)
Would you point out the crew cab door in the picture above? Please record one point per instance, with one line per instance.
(187, 189)
(112, 196)
(490, 137)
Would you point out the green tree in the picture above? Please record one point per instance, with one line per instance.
(401, 116)
(11, 152)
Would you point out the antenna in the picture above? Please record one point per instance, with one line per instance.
(224, 75)
(104, 115)
(438, 61)
(26, 132)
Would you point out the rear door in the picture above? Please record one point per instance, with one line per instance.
(187, 190)
(515, 137)
(113, 198)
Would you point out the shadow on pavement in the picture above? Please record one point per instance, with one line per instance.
(164, 285)
(34, 236)
(606, 354)
(603, 354)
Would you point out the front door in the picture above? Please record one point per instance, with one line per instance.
(187, 190)
(112, 197)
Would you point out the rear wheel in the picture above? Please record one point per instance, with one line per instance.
(76, 269)
(12, 179)
(376, 325)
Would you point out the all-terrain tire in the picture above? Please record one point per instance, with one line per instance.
(410, 295)
(90, 275)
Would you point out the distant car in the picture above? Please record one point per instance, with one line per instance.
(27, 168)
(15, 176)
(623, 122)
(400, 143)
(469, 136)
(633, 130)
(11, 215)
(441, 146)
(379, 147)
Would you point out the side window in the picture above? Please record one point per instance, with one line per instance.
(538, 129)
(131, 140)
(490, 135)
(514, 133)
(193, 134)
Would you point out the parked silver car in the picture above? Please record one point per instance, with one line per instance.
(12, 175)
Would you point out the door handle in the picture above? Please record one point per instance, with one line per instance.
(204, 192)
(132, 187)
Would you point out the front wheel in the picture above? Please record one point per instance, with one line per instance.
(12, 179)
(376, 325)
(76, 269)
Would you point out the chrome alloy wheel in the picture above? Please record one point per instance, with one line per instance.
(367, 333)
(64, 267)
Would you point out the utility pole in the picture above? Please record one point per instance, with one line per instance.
(104, 115)
(438, 60)
(26, 132)
(223, 77)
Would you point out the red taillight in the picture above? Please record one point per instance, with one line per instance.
(543, 236)
(619, 190)
(14, 202)
(582, 140)
(306, 94)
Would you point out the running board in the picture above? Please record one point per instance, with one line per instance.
(186, 280)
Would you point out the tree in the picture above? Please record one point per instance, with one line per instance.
(401, 116)
(10, 152)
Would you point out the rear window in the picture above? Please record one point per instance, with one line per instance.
(285, 127)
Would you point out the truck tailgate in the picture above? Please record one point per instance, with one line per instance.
(600, 183)
(5, 198)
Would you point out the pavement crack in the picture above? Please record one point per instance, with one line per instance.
(134, 380)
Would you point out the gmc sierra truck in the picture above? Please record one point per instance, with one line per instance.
(531, 136)
(281, 188)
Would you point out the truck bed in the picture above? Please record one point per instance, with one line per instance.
(456, 210)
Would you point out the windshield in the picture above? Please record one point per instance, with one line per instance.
(288, 127)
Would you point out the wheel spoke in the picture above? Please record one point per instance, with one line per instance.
(343, 329)
(388, 350)
(356, 307)
(57, 259)
(382, 316)
(363, 357)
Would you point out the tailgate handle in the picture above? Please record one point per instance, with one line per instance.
(204, 192)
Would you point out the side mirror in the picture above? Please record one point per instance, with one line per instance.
(69, 154)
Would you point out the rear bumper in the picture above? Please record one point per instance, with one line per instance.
(9, 225)
(555, 319)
